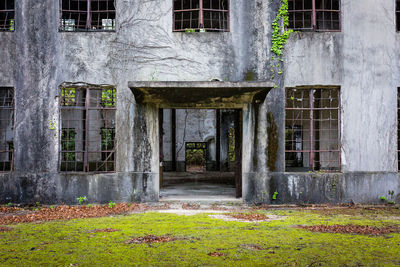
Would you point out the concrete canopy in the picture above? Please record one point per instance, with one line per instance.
(202, 94)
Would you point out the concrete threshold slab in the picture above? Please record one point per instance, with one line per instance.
(202, 199)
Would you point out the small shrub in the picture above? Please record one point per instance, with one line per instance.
(81, 200)
(111, 204)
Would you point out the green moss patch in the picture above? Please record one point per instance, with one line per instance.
(199, 240)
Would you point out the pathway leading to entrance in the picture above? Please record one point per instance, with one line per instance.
(199, 191)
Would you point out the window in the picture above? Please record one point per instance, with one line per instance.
(319, 15)
(6, 128)
(196, 156)
(87, 129)
(201, 15)
(312, 135)
(7, 15)
(398, 15)
(87, 15)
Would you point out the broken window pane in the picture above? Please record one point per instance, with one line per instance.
(6, 128)
(7, 13)
(88, 129)
(325, 16)
(87, 15)
(201, 15)
(312, 123)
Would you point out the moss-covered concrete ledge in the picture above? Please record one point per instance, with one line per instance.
(200, 94)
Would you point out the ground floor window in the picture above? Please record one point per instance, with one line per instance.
(6, 129)
(312, 129)
(87, 128)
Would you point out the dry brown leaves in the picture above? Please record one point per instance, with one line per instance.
(151, 239)
(9, 209)
(216, 254)
(353, 229)
(4, 229)
(249, 216)
(72, 212)
(190, 206)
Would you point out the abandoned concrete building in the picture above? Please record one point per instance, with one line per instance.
(130, 100)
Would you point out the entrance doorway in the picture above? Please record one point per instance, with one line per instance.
(200, 154)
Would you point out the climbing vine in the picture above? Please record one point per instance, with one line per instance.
(280, 33)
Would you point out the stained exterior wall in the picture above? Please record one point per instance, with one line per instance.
(361, 59)
(38, 59)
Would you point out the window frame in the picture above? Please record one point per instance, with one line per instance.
(311, 108)
(104, 103)
(4, 27)
(61, 27)
(397, 15)
(201, 17)
(314, 11)
(8, 144)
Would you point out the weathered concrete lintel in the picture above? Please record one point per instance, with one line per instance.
(202, 94)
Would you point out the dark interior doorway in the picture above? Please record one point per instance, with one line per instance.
(200, 153)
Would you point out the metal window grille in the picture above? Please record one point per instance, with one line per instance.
(201, 15)
(398, 15)
(312, 134)
(87, 128)
(6, 129)
(87, 15)
(7, 14)
(319, 15)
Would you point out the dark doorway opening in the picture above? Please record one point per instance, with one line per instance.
(200, 153)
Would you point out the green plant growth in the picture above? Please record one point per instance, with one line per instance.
(275, 195)
(12, 25)
(81, 200)
(383, 198)
(111, 204)
(10, 204)
(280, 33)
(107, 143)
(68, 144)
(231, 144)
(68, 96)
(108, 97)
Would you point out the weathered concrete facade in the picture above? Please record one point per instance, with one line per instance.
(362, 60)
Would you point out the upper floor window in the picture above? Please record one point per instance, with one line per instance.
(312, 129)
(87, 15)
(201, 15)
(319, 15)
(7, 15)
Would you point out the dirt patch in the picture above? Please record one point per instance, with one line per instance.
(249, 216)
(353, 229)
(251, 247)
(151, 239)
(216, 254)
(190, 206)
(5, 229)
(106, 230)
(73, 212)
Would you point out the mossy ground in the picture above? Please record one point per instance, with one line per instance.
(62, 243)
